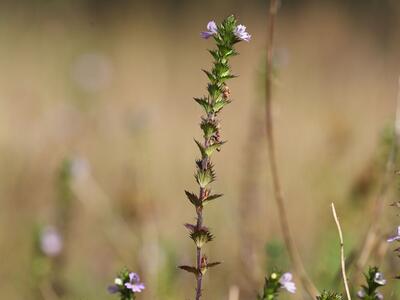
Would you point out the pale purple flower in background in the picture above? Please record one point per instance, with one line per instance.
(50, 241)
(134, 283)
(379, 279)
(241, 33)
(395, 238)
(116, 286)
(287, 283)
(212, 29)
(361, 294)
(80, 168)
(113, 289)
(379, 296)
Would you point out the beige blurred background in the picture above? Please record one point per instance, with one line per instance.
(109, 85)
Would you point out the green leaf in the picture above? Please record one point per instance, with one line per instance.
(209, 128)
(201, 148)
(213, 264)
(201, 237)
(210, 149)
(210, 76)
(220, 70)
(220, 105)
(204, 178)
(189, 269)
(329, 296)
(214, 54)
(204, 103)
(193, 198)
(211, 197)
(214, 91)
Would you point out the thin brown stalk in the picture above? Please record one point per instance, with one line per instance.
(248, 204)
(283, 219)
(342, 259)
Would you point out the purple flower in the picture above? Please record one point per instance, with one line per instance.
(212, 30)
(115, 287)
(395, 238)
(134, 283)
(287, 283)
(51, 241)
(241, 34)
(361, 294)
(379, 296)
(112, 289)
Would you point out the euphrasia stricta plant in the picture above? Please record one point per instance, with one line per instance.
(328, 295)
(274, 283)
(127, 284)
(374, 280)
(225, 36)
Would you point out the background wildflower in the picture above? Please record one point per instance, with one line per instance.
(287, 283)
(126, 284)
(374, 280)
(50, 241)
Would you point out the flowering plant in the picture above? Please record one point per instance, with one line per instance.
(275, 283)
(374, 280)
(126, 284)
(225, 35)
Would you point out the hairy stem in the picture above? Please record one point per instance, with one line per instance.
(199, 224)
(283, 219)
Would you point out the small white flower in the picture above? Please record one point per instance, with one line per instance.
(118, 281)
(396, 237)
(379, 278)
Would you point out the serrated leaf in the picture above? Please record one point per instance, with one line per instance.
(210, 149)
(220, 105)
(193, 198)
(189, 269)
(204, 103)
(209, 128)
(214, 91)
(211, 197)
(221, 70)
(210, 76)
(214, 54)
(205, 177)
(201, 148)
(201, 237)
(229, 76)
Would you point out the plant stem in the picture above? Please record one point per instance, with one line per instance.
(342, 259)
(199, 211)
(290, 245)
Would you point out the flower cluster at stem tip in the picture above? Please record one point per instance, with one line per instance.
(126, 284)
(239, 32)
(275, 283)
(374, 280)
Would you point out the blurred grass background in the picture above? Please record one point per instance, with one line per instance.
(109, 84)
